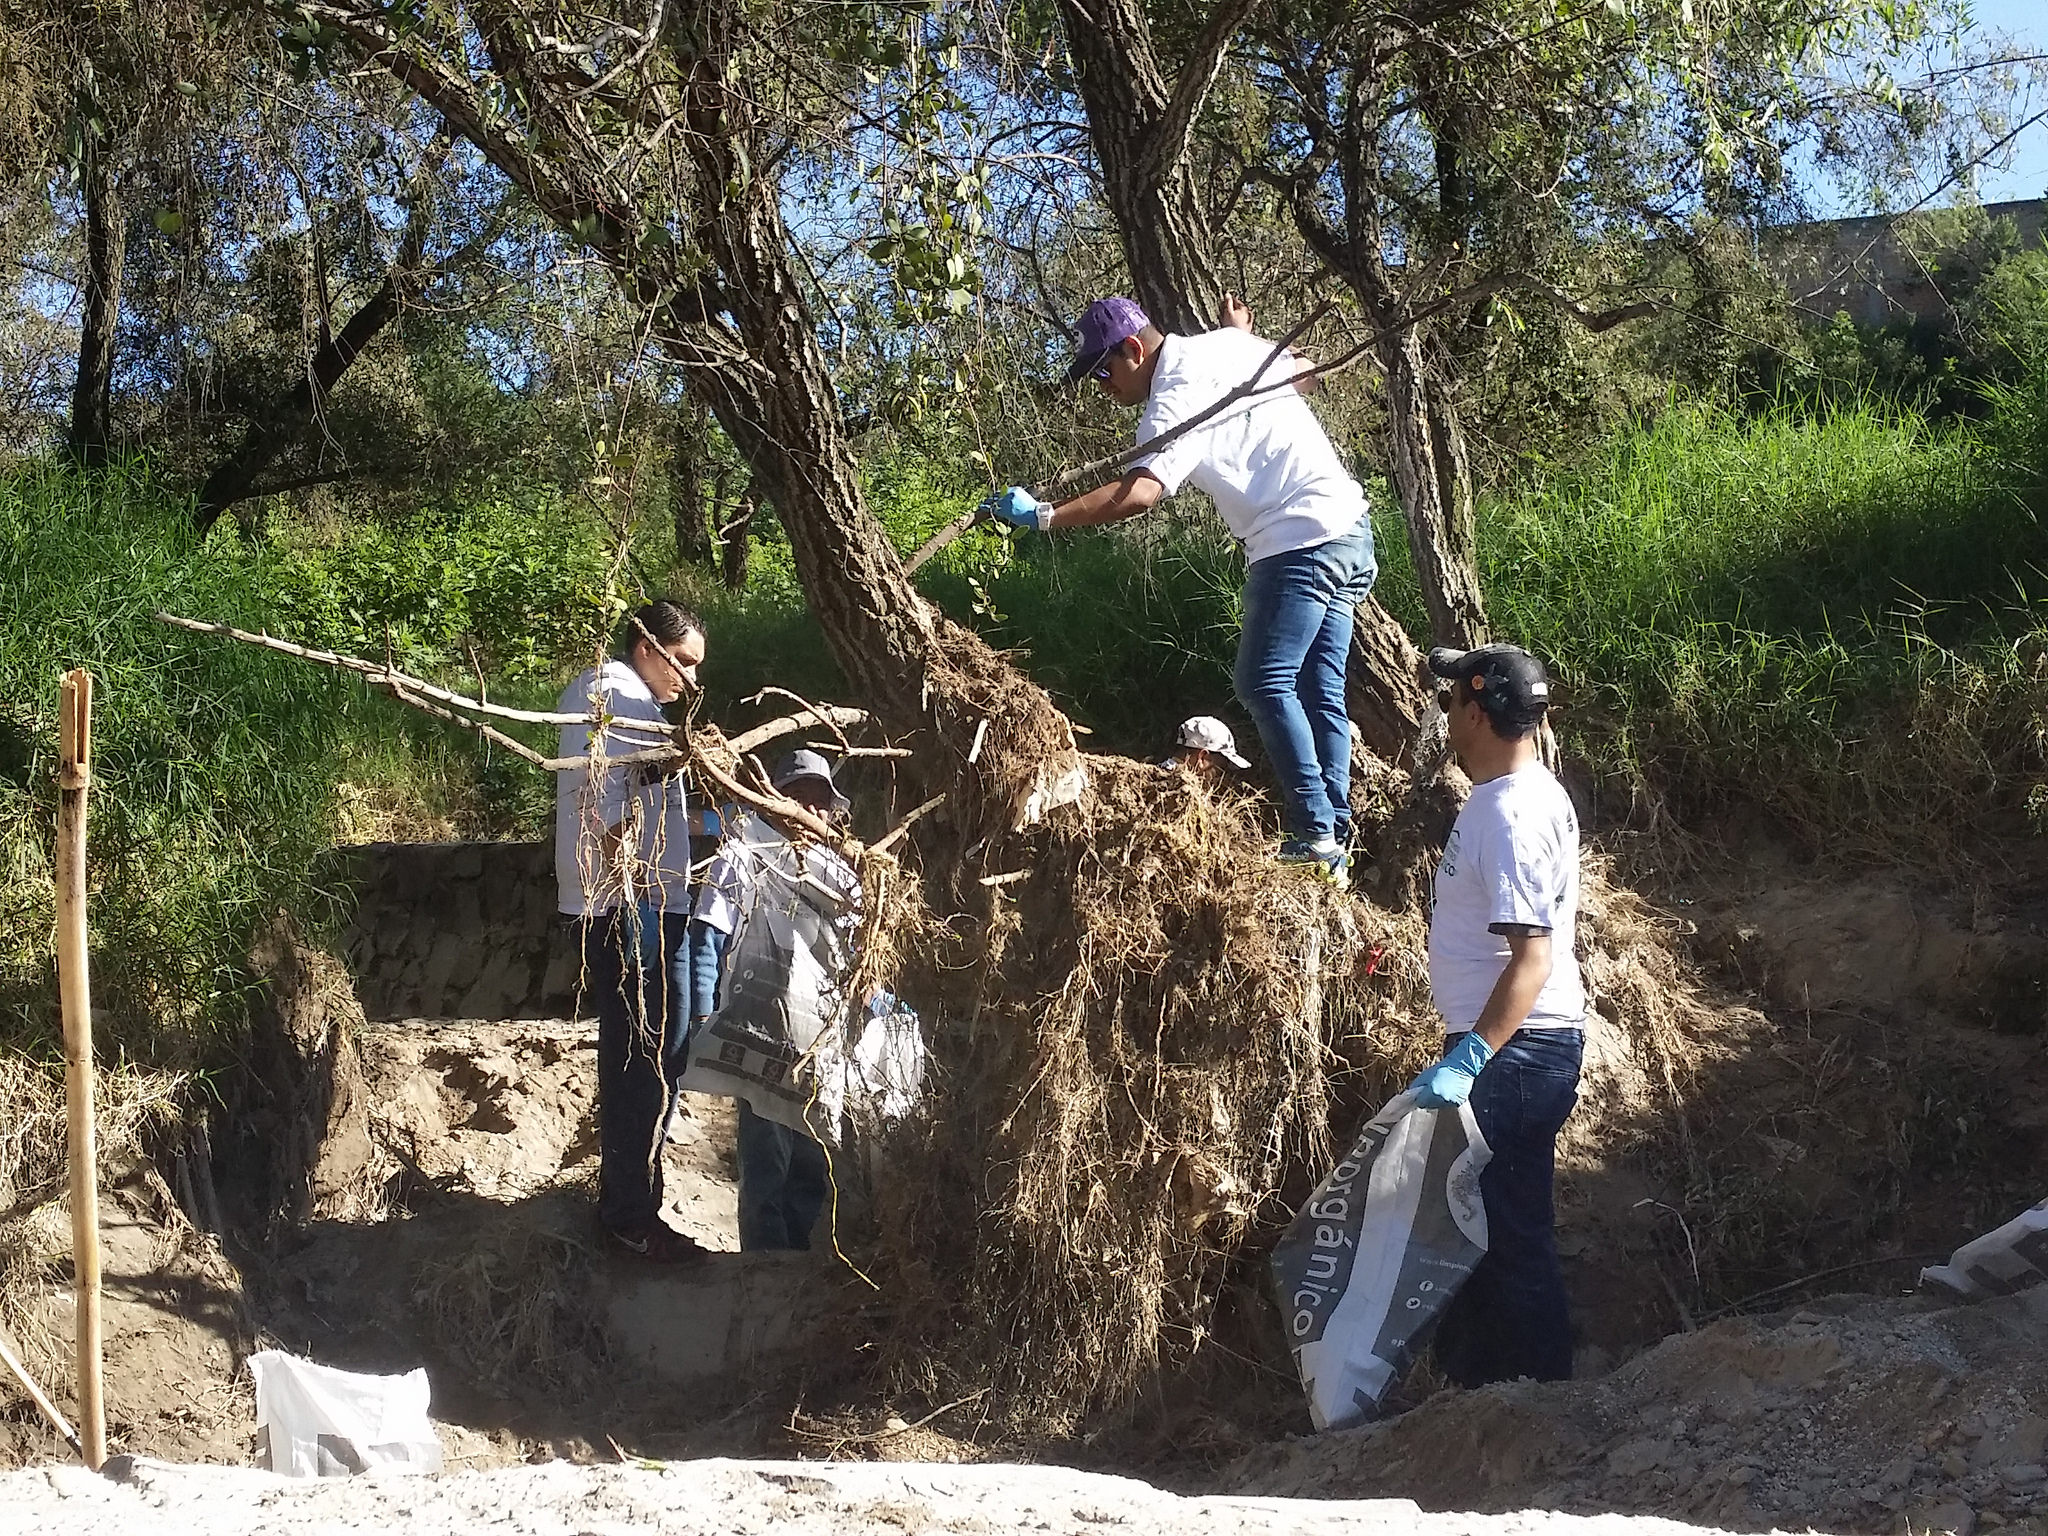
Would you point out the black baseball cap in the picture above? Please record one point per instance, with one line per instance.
(1508, 683)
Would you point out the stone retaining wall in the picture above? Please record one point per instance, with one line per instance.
(457, 931)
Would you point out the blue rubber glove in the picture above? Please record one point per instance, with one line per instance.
(1449, 1083)
(1018, 508)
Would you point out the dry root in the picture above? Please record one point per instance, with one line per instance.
(1141, 1044)
(1144, 1044)
(516, 1306)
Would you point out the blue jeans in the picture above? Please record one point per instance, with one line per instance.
(783, 1183)
(1511, 1318)
(642, 1012)
(1298, 609)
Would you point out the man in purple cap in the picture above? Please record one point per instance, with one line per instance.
(1283, 490)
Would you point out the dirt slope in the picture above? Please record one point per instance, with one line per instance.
(1856, 1415)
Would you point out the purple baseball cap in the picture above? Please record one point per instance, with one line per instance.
(1107, 322)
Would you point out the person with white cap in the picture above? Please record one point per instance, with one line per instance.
(784, 1178)
(1505, 976)
(1201, 745)
(1284, 491)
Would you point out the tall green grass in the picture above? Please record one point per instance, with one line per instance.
(223, 771)
(1834, 615)
(1833, 612)
(213, 771)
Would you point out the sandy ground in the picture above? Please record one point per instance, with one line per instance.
(729, 1498)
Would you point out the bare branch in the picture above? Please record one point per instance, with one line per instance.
(831, 715)
(382, 676)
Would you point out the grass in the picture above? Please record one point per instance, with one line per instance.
(221, 771)
(1833, 614)
(1824, 611)
(1830, 614)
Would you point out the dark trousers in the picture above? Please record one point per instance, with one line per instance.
(1511, 1318)
(642, 1012)
(783, 1183)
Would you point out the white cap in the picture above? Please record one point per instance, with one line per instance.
(1205, 733)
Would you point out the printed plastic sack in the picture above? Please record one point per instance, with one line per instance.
(778, 1037)
(1998, 1263)
(315, 1421)
(1372, 1260)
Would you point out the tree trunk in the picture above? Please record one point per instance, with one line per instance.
(234, 478)
(928, 680)
(693, 519)
(1383, 686)
(1164, 229)
(106, 239)
(1432, 476)
(734, 546)
(1134, 122)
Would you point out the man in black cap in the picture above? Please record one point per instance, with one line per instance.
(1505, 977)
(795, 990)
(1283, 489)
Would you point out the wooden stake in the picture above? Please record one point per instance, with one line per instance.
(74, 777)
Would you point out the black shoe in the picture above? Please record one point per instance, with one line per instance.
(659, 1243)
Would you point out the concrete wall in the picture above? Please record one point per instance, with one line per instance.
(457, 931)
(1861, 268)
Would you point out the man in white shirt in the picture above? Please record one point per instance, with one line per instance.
(622, 870)
(1505, 976)
(1282, 490)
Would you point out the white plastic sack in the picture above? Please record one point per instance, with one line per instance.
(1372, 1260)
(315, 1421)
(1998, 1263)
(888, 1066)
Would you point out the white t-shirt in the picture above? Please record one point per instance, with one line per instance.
(1266, 462)
(1513, 857)
(588, 803)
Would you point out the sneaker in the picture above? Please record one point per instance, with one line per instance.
(1326, 858)
(658, 1242)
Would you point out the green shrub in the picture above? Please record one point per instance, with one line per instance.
(521, 592)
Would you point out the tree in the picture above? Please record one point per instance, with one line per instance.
(1448, 160)
(280, 421)
(656, 138)
(98, 89)
(1143, 116)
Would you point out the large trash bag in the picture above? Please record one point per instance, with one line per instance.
(316, 1421)
(1368, 1266)
(2013, 1258)
(778, 1038)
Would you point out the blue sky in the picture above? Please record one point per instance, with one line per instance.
(2026, 21)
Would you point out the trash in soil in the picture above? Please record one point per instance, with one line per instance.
(2010, 1259)
(316, 1421)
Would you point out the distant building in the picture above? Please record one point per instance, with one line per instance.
(1865, 269)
